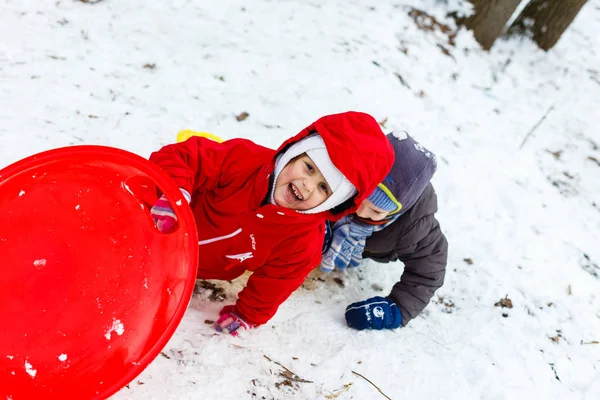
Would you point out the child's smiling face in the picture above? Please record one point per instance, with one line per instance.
(300, 185)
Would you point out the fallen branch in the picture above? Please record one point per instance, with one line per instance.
(338, 392)
(592, 342)
(594, 159)
(536, 125)
(374, 385)
(290, 375)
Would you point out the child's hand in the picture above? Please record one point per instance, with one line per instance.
(163, 215)
(347, 245)
(231, 323)
(374, 313)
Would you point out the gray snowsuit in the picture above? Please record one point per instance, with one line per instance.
(415, 238)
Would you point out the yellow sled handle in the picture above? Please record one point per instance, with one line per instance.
(185, 134)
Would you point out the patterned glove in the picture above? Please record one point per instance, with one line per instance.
(162, 213)
(374, 313)
(231, 323)
(361, 232)
(347, 244)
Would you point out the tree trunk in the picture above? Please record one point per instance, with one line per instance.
(546, 20)
(489, 19)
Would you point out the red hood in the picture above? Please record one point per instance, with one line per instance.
(358, 148)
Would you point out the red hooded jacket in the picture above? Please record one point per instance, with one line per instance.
(239, 230)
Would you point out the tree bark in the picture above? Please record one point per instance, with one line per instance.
(546, 20)
(489, 19)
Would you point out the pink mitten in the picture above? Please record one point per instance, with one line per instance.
(163, 215)
(231, 323)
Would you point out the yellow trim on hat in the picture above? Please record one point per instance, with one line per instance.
(392, 198)
(185, 134)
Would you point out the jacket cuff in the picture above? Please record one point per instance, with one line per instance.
(186, 194)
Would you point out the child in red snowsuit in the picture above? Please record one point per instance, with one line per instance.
(263, 210)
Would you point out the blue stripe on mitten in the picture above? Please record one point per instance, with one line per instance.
(360, 232)
(374, 313)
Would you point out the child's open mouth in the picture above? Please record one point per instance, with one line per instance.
(294, 193)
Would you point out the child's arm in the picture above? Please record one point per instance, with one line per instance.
(423, 249)
(424, 252)
(200, 163)
(272, 284)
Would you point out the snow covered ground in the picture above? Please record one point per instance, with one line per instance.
(522, 219)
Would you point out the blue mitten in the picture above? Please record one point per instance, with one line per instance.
(374, 313)
(347, 244)
(360, 232)
(334, 256)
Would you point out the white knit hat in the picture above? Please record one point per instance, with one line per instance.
(314, 147)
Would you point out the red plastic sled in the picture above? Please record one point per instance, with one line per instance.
(90, 290)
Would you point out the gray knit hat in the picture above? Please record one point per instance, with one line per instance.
(413, 168)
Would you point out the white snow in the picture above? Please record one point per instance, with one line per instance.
(522, 219)
(40, 263)
(62, 357)
(117, 327)
(21, 193)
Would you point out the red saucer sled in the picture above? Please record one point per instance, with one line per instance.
(90, 290)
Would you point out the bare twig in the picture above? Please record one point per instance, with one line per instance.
(594, 159)
(267, 357)
(592, 342)
(402, 81)
(374, 385)
(535, 126)
(291, 375)
(338, 392)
